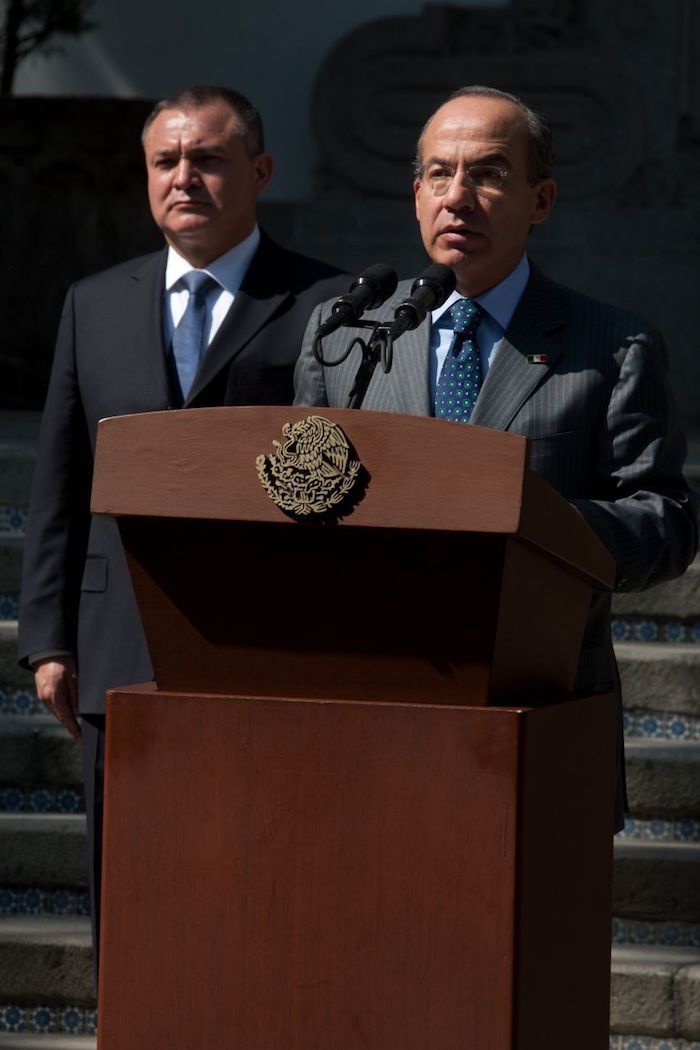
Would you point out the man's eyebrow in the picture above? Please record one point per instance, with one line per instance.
(177, 151)
(495, 157)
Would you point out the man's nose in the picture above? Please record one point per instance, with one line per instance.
(185, 173)
(460, 193)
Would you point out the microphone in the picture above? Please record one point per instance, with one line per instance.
(428, 292)
(370, 289)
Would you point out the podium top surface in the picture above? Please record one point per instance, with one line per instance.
(420, 474)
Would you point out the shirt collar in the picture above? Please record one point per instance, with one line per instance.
(500, 301)
(228, 270)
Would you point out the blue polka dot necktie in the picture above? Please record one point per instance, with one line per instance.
(188, 337)
(461, 377)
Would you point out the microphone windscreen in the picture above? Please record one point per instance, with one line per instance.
(378, 279)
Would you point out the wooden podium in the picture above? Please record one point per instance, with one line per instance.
(359, 807)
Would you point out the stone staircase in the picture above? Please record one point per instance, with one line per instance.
(47, 999)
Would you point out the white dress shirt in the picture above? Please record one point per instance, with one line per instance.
(228, 271)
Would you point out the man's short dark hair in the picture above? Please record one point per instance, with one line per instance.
(251, 129)
(541, 159)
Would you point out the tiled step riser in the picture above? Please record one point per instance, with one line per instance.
(41, 799)
(639, 933)
(34, 750)
(71, 902)
(660, 677)
(35, 1025)
(656, 882)
(663, 781)
(42, 851)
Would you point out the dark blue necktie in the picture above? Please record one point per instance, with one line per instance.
(461, 377)
(188, 337)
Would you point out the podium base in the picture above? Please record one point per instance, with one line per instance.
(332, 875)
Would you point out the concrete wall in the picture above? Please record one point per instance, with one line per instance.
(620, 81)
(269, 51)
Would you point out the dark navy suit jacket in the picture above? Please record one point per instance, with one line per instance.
(111, 360)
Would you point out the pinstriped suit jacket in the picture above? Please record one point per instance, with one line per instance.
(599, 415)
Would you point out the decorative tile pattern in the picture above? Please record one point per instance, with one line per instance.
(41, 800)
(669, 934)
(652, 629)
(661, 725)
(661, 830)
(31, 900)
(68, 1020)
(9, 606)
(20, 702)
(13, 521)
(646, 1042)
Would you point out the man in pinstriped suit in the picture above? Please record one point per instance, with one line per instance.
(586, 382)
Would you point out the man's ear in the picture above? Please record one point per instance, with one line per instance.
(263, 166)
(546, 194)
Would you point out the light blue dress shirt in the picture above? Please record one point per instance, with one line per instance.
(498, 304)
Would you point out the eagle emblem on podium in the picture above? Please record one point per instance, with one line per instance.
(313, 470)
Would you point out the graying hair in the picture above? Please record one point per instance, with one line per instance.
(541, 158)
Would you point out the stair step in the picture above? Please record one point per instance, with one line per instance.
(22, 1041)
(36, 749)
(42, 850)
(17, 459)
(675, 598)
(10, 564)
(46, 959)
(663, 778)
(655, 991)
(656, 880)
(660, 677)
(11, 674)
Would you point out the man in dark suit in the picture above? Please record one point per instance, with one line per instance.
(120, 350)
(512, 350)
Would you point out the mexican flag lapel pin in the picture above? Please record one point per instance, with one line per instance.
(537, 359)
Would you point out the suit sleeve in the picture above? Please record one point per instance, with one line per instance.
(646, 516)
(59, 509)
(309, 381)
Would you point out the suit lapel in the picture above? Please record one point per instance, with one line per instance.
(261, 294)
(145, 307)
(406, 387)
(409, 373)
(514, 375)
